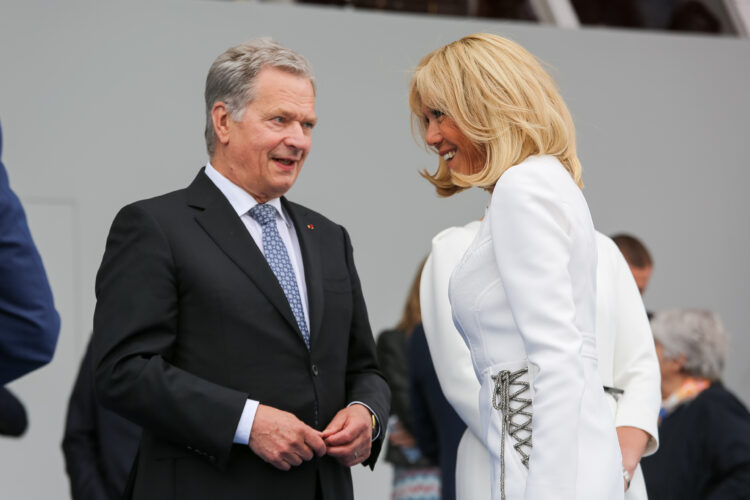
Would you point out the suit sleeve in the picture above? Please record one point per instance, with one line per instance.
(530, 224)
(636, 367)
(80, 443)
(452, 359)
(29, 323)
(364, 382)
(135, 331)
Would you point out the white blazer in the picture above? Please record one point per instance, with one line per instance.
(524, 295)
(626, 354)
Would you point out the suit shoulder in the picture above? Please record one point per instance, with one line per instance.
(161, 201)
(536, 174)
(607, 250)
(306, 214)
(160, 208)
(717, 395)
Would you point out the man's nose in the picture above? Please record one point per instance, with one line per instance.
(297, 137)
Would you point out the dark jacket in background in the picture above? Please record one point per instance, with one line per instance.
(704, 450)
(99, 445)
(437, 426)
(391, 349)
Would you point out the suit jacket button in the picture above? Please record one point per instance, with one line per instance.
(315, 369)
(212, 459)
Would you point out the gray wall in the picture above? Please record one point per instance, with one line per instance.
(101, 104)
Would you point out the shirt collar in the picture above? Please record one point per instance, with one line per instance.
(241, 200)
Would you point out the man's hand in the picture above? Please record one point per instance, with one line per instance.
(349, 435)
(281, 439)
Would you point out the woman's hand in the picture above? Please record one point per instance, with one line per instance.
(633, 442)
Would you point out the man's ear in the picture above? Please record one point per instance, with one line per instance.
(221, 118)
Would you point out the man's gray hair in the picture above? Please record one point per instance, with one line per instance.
(696, 333)
(231, 78)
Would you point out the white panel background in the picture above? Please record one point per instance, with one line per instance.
(101, 104)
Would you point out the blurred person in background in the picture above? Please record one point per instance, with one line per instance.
(415, 476)
(704, 429)
(92, 432)
(29, 323)
(638, 258)
(437, 426)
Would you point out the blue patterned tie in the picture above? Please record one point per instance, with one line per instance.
(278, 258)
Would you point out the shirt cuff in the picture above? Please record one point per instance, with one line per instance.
(376, 430)
(245, 425)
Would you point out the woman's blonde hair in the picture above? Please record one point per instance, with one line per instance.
(502, 99)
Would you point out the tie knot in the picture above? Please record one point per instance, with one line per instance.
(263, 213)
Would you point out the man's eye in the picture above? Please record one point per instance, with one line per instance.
(308, 125)
(279, 119)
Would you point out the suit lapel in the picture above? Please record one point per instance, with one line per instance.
(310, 247)
(220, 221)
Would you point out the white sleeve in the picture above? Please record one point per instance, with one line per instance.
(245, 425)
(450, 355)
(636, 367)
(530, 227)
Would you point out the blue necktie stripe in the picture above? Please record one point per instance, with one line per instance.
(278, 259)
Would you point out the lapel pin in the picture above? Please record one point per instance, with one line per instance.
(310, 227)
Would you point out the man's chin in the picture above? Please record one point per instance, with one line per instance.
(281, 188)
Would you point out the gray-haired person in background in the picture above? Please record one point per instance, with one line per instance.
(704, 429)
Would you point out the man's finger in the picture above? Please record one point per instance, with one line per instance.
(350, 455)
(361, 449)
(342, 437)
(334, 426)
(315, 443)
(281, 464)
(292, 458)
(297, 453)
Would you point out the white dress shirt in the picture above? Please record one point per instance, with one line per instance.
(242, 202)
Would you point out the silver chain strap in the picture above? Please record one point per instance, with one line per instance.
(502, 398)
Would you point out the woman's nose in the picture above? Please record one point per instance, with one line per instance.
(433, 137)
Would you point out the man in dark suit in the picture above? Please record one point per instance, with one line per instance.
(230, 322)
(29, 323)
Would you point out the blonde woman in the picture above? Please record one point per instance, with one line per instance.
(524, 294)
